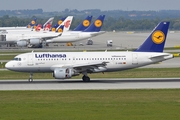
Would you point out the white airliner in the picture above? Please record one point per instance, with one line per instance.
(64, 65)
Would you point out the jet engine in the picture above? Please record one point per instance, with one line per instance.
(63, 73)
(22, 43)
(35, 41)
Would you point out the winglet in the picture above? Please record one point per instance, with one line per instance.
(96, 25)
(84, 24)
(156, 40)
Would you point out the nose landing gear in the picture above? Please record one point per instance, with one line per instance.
(30, 77)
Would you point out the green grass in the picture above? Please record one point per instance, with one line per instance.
(7, 57)
(90, 105)
(133, 73)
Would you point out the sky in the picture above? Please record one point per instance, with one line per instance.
(60, 5)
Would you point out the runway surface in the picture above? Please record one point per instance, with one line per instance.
(95, 84)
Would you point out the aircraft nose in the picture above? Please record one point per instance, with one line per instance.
(8, 65)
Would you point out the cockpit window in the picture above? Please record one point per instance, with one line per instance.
(17, 59)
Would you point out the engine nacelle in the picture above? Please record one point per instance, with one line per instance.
(63, 73)
(22, 43)
(35, 41)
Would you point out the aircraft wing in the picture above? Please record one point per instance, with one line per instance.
(90, 65)
(84, 66)
(50, 37)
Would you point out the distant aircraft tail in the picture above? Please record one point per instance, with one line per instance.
(67, 23)
(47, 25)
(96, 25)
(57, 24)
(32, 23)
(38, 27)
(84, 24)
(156, 40)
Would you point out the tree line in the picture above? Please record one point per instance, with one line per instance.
(110, 23)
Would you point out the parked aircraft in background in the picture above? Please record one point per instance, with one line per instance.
(35, 39)
(73, 36)
(28, 38)
(64, 65)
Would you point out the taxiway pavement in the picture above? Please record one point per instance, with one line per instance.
(94, 84)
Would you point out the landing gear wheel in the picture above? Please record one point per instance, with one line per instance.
(86, 78)
(30, 80)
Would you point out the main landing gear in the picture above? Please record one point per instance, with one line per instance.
(85, 78)
(30, 77)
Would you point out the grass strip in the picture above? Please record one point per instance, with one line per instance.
(163, 104)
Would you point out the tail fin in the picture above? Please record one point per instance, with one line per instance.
(84, 24)
(57, 24)
(38, 27)
(32, 23)
(96, 26)
(48, 24)
(156, 40)
(67, 23)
